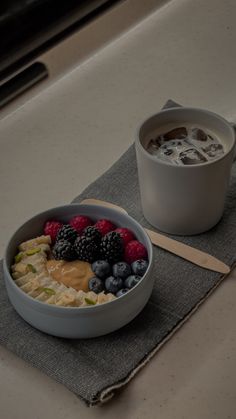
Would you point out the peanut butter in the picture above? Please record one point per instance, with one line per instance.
(74, 274)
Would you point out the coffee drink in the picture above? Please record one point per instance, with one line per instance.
(185, 145)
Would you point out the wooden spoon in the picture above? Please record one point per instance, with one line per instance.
(173, 246)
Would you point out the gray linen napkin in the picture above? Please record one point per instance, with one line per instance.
(179, 289)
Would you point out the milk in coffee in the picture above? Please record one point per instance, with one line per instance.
(185, 145)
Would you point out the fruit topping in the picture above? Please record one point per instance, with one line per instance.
(139, 267)
(86, 249)
(96, 285)
(80, 263)
(134, 251)
(113, 284)
(131, 281)
(80, 222)
(112, 247)
(101, 268)
(64, 250)
(68, 233)
(93, 233)
(121, 269)
(125, 234)
(105, 226)
(121, 292)
(51, 229)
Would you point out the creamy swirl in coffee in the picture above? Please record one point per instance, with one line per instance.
(185, 145)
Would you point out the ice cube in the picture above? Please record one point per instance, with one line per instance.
(176, 134)
(199, 135)
(214, 150)
(191, 156)
(153, 146)
(168, 152)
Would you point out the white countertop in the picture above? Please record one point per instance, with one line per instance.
(62, 139)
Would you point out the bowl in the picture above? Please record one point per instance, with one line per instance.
(78, 322)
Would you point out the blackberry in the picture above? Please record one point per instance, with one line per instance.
(112, 247)
(68, 233)
(64, 250)
(86, 249)
(93, 233)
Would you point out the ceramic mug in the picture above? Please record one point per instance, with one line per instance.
(184, 199)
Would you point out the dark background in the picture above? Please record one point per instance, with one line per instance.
(29, 27)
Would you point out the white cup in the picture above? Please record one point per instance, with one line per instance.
(184, 200)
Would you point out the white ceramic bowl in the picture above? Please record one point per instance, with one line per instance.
(76, 322)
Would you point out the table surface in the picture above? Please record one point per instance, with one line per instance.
(69, 134)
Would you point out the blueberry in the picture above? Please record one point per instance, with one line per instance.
(121, 269)
(113, 285)
(101, 268)
(139, 267)
(131, 281)
(121, 292)
(96, 285)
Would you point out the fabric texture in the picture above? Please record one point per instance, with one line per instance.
(180, 287)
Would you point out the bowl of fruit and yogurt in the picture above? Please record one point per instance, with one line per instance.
(79, 271)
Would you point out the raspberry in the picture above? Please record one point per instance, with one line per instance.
(125, 234)
(135, 250)
(104, 226)
(80, 222)
(51, 229)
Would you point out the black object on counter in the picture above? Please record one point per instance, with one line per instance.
(22, 82)
(28, 27)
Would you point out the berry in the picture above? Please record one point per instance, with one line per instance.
(131, 281)
(104, 226)
(86, 249)
(121, 269)
(80, 222)
(101, 268)
(125, 234)
(64, 250)
(134, 251)
(121, 292)
(139, 267)
(93, 233)
(113, 285)
(96, 285)
(51, 229)
(67, 232)
(112, 247)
